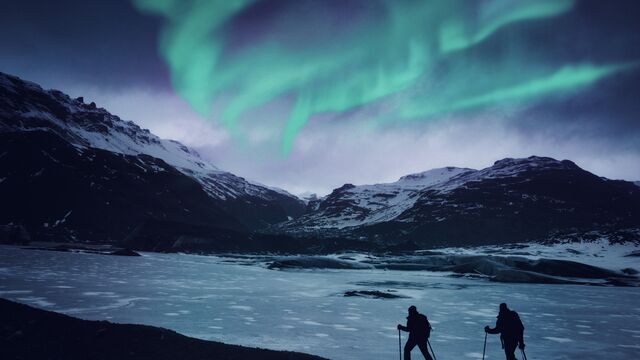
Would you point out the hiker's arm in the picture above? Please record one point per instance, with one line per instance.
(403, 328)
(491, 331)
(495, 330)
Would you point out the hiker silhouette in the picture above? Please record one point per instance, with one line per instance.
(511, 331)
(419, 330)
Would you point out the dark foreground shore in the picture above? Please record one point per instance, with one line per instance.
(30, 333)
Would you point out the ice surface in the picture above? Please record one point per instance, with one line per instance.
(304, 310)
(599, 253)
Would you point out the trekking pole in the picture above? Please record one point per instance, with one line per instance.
(524, 356)
(433, 352)
(399, 345)
(485, 345)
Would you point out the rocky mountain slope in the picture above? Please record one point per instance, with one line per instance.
(70, 170)
(535, 198)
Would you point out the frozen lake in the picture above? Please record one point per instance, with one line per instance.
(220, 299)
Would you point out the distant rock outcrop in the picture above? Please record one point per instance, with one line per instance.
(374, 294)
(124, 252)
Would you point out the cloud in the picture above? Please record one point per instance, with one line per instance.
(330, 153)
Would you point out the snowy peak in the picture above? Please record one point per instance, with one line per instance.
(351, 205)
(308, 197)
(523, 169)
(432, 177)
(510, 166)
(86, 125)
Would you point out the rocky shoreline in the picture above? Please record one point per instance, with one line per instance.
(28, 333)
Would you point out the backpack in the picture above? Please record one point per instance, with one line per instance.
(424, 323)
(515, 324)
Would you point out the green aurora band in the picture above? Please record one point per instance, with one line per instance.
(418, 53)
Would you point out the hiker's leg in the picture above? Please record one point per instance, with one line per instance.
(424, 348)
(408, 347)
(510, 349)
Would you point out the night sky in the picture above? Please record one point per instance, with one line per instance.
(310, 94)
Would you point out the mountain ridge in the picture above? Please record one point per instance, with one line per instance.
(70, 171)
(511, 196)
(100, 129)
(52, 145)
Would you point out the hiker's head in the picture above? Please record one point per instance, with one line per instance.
(503, 307)
(412, 310)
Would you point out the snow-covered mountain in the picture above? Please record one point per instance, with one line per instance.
(87, 126)
(352, 205)
(68, 137)
(513, 200)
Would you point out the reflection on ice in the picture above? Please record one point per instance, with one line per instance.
(35, 301)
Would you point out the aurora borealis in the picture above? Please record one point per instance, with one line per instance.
(308, 95)
(332, 57)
